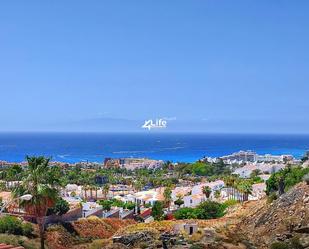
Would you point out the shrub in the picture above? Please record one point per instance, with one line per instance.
(27, 229)
(272, 197)
(290, 175)
(306, 178)
(129, 205)
(210, 210)
(295, 243)
(61, 207)
(106, 204)
(230, 203)
(157, 210)
(18, 241)
(185, 213)
(206, 210)
(13, 225)
(179, 202)
(197, 246)
(98, 244)
(279, 245)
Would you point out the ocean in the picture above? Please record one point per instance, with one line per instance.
(94, 147)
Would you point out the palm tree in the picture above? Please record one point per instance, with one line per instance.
(230, 182)
(206, 191)
(42, 184)
(96, 188)
(245, 187)
(138, 185)
(167, 196)
(85, 188)
(91, 193)
(105, 190)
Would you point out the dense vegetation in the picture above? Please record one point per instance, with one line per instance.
(13, 225)
(205, 210)
(284, 179)
(203, 169)
(61, 207)
(107, 204)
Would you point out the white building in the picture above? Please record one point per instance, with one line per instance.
(149, 196)
(197, 196)
(193, 200)
(265, 168)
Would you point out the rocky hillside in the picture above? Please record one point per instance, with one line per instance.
(253, 225)
(285, 221)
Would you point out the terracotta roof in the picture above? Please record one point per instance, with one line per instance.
(4, 246)
(146, 213)
(5, 196)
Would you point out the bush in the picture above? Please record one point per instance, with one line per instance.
(306, 178)
(13, 225)
(197, 246)
(272, 197)
(290, 175)
(129, 205)
(179, 202)
(295, 243)
(27, 229)
(279, 245)
(157, 210)
(98, 244)
(210, 210)
(61, 207)
(185, 213)
(106, 204)
(19, 241)
(230, 203)
(206, 210)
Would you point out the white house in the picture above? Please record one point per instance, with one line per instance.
(193, 200)
(149, 196)
(216, 185)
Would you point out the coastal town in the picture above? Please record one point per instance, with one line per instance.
(146, 190)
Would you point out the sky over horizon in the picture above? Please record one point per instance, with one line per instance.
(204, 66)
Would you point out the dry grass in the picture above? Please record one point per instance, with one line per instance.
(96, 228)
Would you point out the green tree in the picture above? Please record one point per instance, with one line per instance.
(40, 182)
(206, 191)
(157, 210)
(286, 178)
(210, 210)
(179, 202)
(13, 225)
(206, 210)
(167, 196)
(230, 183)
(61, 207)
(255, 173)
(106, 204)
(186, 213)
(105, 190)
(14, 173)
(245, 187)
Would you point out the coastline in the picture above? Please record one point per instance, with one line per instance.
(176, 147)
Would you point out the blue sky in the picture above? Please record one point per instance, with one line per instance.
(211, 66)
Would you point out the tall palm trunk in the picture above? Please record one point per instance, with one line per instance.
(40, 221)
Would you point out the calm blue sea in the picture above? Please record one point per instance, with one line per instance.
(76, 147)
